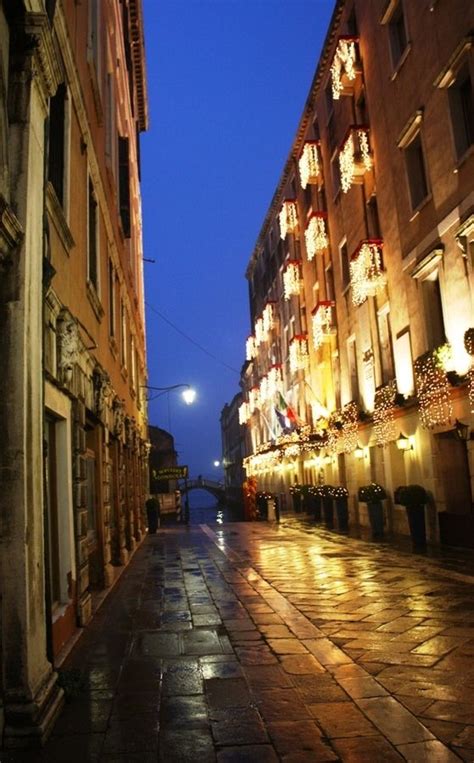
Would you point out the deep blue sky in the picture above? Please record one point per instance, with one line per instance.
(227, 82)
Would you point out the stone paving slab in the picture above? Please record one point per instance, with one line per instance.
(257, 642)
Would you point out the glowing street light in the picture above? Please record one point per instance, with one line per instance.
(217, 463)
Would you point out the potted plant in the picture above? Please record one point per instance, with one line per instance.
(152, 506)
(340, 495)
(373, 496)
(315, 498)
(328, 506)
(414, 498)
(296, 493)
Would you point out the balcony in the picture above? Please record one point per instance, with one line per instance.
(355, 157)
(292, 279)
(344, 67)
(310, 165)
(288, 218)
(269, 318)
(315, 235)
(322, 322)
(366, 271)
(299, 357)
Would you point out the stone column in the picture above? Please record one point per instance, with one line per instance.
(31, 696)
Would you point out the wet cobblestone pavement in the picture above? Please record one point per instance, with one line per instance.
(258, 642)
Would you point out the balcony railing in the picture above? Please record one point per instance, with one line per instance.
(322, 321)
(310, 164)
(355, 157)
(288, 218)
(315, 235)
(344, 67)
(366, 270)
(292, 279)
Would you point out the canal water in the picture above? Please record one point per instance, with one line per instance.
(203, 509)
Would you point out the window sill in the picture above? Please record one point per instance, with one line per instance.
(56, 212)
(400, 62)
(419, 208)
(94, 300)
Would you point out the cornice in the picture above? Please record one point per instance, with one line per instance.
(48, 66)
(138, 58)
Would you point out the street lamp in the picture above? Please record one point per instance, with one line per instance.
(217, 463)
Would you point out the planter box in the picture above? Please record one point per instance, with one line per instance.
(375, 510)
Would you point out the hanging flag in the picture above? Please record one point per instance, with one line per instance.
(285, 414)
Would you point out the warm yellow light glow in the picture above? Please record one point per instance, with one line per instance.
(299, 358)
(268, 317)
(322, 322)
(404, 443)
(433, 390)
(309, 164)
(254, 399)
(288, 218)
(251, 348)
(244, 413)
(316, 236)
(355, 158)
(343, 69)
(384, 414)
(259, 332)
(367, 276)
(292, 279)
(359, 452)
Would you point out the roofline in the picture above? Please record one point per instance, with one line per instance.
(138, 59)
(295, 150)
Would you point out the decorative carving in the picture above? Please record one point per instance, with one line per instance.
(38, 29)
(68, 345)
(11, 232)
(118, 409)
(102, 390)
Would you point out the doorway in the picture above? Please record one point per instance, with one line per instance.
(456, 523)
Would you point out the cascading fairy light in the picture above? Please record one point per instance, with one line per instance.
(366, 273)
(250, 348)
(309, 164)
(259, 332)
(315, 235)
(384, 414)
(469, 347)
(274, 380)
(350, 427)
(268, 318)
(292, 279)
(322, 322)
(254, 399)
(288, 218)
(244, 413)
(351, 164)
(433, 389)
(343, 64)
(263, 393)
(299, 358)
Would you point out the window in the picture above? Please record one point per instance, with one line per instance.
(352, 28)
(112, 305)
(433, 311)
(57, 142)
(110, 125)
(93, 42)
(133, 374)
(461, 101)
(329, 99)
(93, 238)
(329, 279)
(373, 224)
(123, 335)
(124, 185)
(397, 34)
(308, 197)
(52, 510)
(352, 369)
(335, 176)
(416, 171)
(385, 345)
(345, 269)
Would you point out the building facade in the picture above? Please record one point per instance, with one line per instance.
(359, 367)
(233, 449)
(74, 453)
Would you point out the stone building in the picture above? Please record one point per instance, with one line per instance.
(73, 457)
(233, 449)
(361, 280)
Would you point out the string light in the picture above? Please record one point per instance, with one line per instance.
(308, 164)
(469, 346)
(292, 279)
(343, 66)
(354, 157)
(299, 358)
(254, 399)
(350, 426)
(384, 414)
(288, 218)
(433, 390)
(259, 332)
(366, 273)
(315, 235)
(322, 322)
(268, 317)
(250, 348)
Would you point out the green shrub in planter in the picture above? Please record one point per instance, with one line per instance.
(340, 495)
(373, 496)
(414, 498)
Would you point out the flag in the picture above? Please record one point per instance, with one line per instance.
(285, 414)
(282, 420)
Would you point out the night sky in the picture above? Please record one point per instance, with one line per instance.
(227, 82)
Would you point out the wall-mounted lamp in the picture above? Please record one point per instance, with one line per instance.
(328, 459)
(404, 443)
(359, 452)
(462, 430)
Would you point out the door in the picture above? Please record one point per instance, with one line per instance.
(457, 522)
